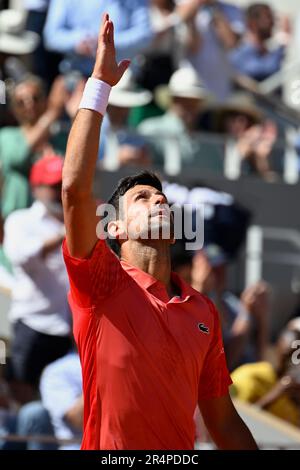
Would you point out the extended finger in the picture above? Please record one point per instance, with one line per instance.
(111, 32)
(104, 27)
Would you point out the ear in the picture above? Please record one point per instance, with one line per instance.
(117, 230)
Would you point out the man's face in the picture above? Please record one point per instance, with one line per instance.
(187, 109)
(118, 115)
(50, 196)
(236, 124)
(146, 214)
(265, 23)
(210, 278)
(28, 103)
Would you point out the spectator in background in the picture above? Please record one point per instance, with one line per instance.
(254, 57)
(6, 275)
(182, 261)
(34, 420)
(72, 29)
(180, 124)
(173, 38)
(238, 114)
(253, 136)
(14, 39)
(31, 419)
(15, 44)
(21, 146)
(39, 310)
(220, 26)
(61, 394)
(238, 316)
(120, 145)
(45, 63)
(274, 389)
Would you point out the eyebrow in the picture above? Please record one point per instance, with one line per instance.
(140, 191)
(161, 193)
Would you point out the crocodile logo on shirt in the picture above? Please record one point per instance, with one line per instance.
(203, 328)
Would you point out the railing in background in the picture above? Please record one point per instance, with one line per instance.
(232, 163)
(256, 256)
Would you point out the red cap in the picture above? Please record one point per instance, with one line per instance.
(47, 171)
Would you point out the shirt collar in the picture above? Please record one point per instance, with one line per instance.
(142, 278)
(148, 282)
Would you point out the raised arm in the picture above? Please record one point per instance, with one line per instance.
(82, 151)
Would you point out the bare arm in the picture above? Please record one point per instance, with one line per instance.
(286, 386)
(82, 152)
(74, 415)
(188, 9)
(225, 426)
(223, 29)
(51, 244)
(39, 133)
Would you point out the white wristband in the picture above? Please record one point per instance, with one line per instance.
(95, 95)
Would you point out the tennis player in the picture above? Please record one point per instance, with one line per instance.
(150, 346)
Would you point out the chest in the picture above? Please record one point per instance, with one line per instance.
(139, 328)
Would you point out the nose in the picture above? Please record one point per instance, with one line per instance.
(160, 199)
(29, 103)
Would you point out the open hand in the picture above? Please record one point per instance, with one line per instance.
(256, 299)
(106, 68)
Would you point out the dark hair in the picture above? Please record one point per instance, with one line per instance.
(254, 11)
(143, 178)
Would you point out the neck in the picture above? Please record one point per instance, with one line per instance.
(27, 126)
(151, 256)
(254, 39)
(165, 11)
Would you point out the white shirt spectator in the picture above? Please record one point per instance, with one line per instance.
(173, 41)
(39, 296)
(211, 61)
(60, 387)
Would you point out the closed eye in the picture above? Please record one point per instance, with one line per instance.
(140, 196)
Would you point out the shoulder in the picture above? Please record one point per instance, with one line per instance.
(207, 310)
(23, 219)
(207, 302)
(10, 132)
(17, 217)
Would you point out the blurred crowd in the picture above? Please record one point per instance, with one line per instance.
(190, 99)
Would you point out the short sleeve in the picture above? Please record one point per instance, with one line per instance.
(215, 378)
(96, 277)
